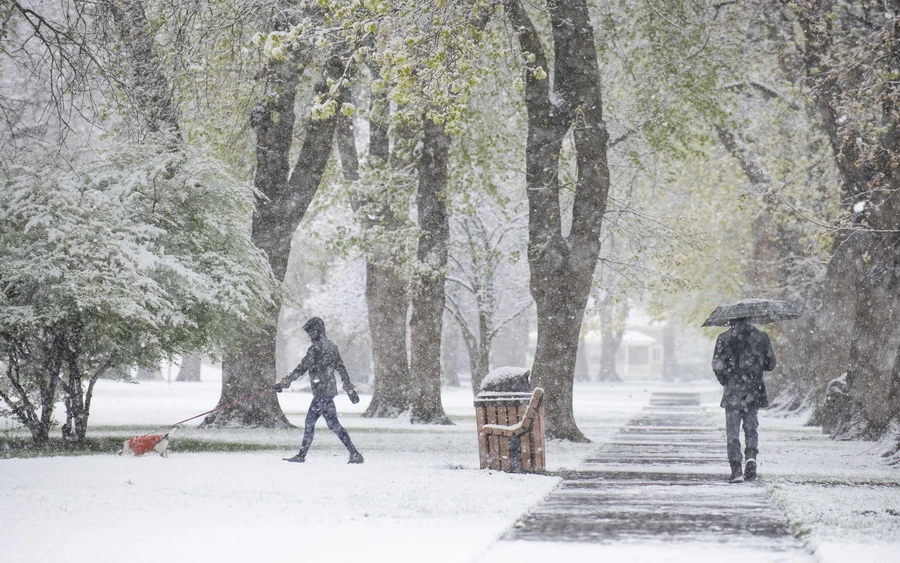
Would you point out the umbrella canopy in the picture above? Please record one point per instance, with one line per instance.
(759, 311)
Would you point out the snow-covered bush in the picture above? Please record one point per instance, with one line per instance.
(120, 260)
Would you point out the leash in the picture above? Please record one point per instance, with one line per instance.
(232, 404)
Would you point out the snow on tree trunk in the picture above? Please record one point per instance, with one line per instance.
(148, 86)
(858, 112)
(426, 322)
(562, 267)
(287, 197)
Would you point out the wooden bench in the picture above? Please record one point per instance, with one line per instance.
(510, 431)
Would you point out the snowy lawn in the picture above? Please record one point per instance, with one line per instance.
(841, 496)
(419, 497)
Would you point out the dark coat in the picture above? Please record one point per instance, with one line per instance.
(322, 360)
(742, 353)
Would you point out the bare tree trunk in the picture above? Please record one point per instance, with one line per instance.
(45, 372)
(449, 355)
(613, 320)
(426, 323)
(275, 219)
(610, 340)
(190, 368)
(670, 363)
(149, 375)
(386, 295)
(582, 371)
(483, 350)
(562, 267)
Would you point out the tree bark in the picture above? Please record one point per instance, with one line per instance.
(190, 368)
(871, 248)
(426, 323)
(275, 219)
(582, 371)
(449, 356)
(45, 373)
(610, 340)
(562, 267)
(149, 87)
(670, 363)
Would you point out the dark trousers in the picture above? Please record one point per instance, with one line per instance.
(734, 417)
(324, 406)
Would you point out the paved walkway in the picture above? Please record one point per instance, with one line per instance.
(655, 491)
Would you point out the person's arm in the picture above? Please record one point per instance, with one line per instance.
(770, 355)
(719, 361)
(300, 370)
(342, 371)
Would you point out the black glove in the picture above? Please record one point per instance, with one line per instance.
(277, 387)
(354, 396)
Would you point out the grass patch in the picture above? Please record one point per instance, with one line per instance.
(190, 445)
(23, 448)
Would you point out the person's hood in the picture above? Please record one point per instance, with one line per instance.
(315, 328)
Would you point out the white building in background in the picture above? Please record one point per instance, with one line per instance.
(640, 355)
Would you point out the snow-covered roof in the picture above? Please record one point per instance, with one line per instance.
(637, 337)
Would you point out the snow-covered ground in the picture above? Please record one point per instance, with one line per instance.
(419, 497)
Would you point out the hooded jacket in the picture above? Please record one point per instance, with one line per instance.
(742, 354)
(322, 360)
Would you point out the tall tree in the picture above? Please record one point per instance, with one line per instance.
(386, 292)
(851, 58)
(287, 195)
(426, 322)
(562, 265)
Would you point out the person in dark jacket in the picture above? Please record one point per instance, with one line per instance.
(742, 354)
(322, 360)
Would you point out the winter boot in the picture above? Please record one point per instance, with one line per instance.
(750, 466)
(299, 458)
(356, 457)
(736, 475)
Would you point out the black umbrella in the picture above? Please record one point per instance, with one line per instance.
(759, 311)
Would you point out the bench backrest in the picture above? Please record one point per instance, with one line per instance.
(531, 411)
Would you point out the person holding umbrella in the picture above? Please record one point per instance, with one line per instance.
(322, 360)
(741, 356)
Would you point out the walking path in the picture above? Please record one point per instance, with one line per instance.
(656, 492)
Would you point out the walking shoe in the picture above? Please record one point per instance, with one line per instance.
(356, 458)
(736, 475)
(296, 459)
(750, 470)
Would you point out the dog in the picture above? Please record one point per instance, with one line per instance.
(139, 445)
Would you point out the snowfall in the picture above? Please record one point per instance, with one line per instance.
(419, 496)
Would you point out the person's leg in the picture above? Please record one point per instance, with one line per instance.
(751, 440)
(751, 431)
(732, 435)
(330, 413)
(309, 427)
